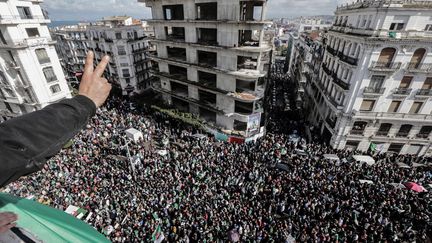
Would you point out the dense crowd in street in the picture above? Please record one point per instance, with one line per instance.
(209, 191)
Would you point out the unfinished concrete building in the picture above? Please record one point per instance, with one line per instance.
(213, 59)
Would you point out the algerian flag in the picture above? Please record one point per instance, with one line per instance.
(158, 236)
(48, 224)
(373, 147)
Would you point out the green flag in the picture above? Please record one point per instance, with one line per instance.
(373, 147)
(48, 224)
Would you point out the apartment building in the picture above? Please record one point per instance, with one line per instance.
(304, 64)
(374, 86)
(72, 46)
(310, 23)
(123, 38)
(30, 73)
(212, 60)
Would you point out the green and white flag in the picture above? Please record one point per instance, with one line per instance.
(158, 236)
(47, 224)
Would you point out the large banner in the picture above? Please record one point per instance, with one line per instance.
(253, 125)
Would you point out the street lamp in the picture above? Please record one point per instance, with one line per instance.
(129, 157)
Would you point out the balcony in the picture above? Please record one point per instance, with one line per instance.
(373, 91)
(357, 132)
(332, 51)
(385, 66)
(390, 116)
(17, 19)
(382, 133)
(419, 68)
(402, 134)
(347, 59)
(423, 135)
(326, 70)
(424, 92)
(402, 92)
(340, 82)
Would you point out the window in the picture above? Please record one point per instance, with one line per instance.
(428, 27)
(55, 88)
(428, 83)
(397, 26)
(42, 56)
(367, 105)
(377, 82)
(415, 108)
(406, 82)
(384, 129)
(118, 35)
(24, 12)
(425, 131)
(395, 147)
(121, 50)
(404, 130)
(32, 32)
(49, 74)
(125, 72)
(394, 106)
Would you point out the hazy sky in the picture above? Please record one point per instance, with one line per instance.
(95, 9)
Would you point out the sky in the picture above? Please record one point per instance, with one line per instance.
(96, 9)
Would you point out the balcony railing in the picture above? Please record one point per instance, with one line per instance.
(357, 132)
(421, 68)
(424, 92)
(402, 134)
(423, 135)
(373, 90)
(348, 59)
(402, 91)
(385, 66)
(340, 82)
(326, 70)
(382, 133)
(332, 51)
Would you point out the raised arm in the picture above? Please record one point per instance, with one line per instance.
(28, 141)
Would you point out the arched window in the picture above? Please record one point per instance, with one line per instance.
(417, 58)
(386, 56)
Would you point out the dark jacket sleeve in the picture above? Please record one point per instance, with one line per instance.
(28, 141)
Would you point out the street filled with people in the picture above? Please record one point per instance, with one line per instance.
(202, 190)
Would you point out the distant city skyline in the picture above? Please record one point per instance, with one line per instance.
(83, 10)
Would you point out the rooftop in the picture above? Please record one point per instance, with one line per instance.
(386, 3)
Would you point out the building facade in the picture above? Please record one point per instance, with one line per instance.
(122, 38)
(72, 47)
(31, 76)
(374, 87)
(213, 59)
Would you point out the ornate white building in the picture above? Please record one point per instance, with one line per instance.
(213, 57)
(31, 76)
(121, 37)
(374, 87)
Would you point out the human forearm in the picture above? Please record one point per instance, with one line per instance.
(28, 141)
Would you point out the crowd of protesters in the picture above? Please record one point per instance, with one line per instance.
(208, 191)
